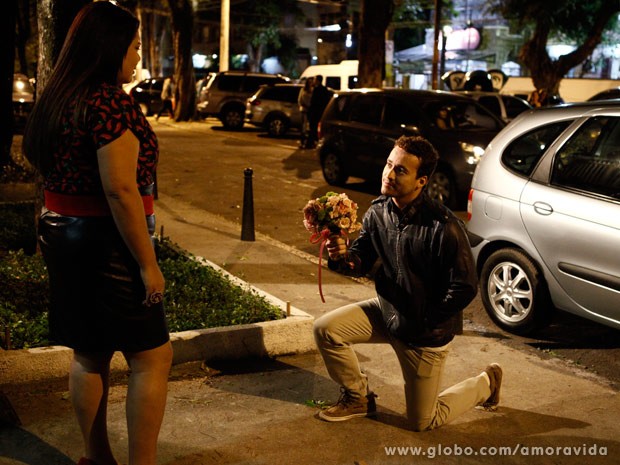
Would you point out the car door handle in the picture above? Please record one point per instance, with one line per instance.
(543, 208)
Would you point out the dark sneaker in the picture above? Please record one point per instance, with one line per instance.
(349, 407)
(494, 372)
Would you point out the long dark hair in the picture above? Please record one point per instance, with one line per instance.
(92, 54)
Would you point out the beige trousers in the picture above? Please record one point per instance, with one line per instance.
(422, 367)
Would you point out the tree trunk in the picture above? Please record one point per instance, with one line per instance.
(185, 90)
(547, 73)
(376, 16)
(149, 16)
(54, 18)
(23, 34)
(7, 67)
(255, 55)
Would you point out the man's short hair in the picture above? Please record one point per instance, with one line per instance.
(421, 148)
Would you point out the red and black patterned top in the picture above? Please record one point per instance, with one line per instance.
(111, 112)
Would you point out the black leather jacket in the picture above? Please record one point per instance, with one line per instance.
(427, 273)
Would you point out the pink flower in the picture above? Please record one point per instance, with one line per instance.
(334, 212)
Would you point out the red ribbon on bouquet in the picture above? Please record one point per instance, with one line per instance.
(322, 237)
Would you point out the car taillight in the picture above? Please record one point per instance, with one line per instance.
(318, 130)
(469, 202)
(255, 102)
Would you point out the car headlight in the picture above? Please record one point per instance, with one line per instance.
(472, 152)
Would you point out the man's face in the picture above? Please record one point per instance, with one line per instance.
(400, 177)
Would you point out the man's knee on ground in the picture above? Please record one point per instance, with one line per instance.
(420, 424)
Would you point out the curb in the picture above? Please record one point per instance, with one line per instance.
(291, 335)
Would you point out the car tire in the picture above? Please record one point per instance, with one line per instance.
(333, 170)
(145, 109)
(441, 188)
(514, 292)
(232, 117)
(277, 126)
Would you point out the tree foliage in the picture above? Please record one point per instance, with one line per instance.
(260, 23)
(580, 21)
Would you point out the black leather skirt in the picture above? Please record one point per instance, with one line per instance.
(95, 287)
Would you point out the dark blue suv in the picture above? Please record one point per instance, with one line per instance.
(358, 130)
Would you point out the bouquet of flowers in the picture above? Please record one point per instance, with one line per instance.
(328, 215)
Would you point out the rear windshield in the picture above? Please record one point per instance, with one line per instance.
(461, 114)
(281, 94)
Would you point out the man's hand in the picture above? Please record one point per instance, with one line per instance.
(336, 247)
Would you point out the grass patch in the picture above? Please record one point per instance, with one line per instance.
(197, 296)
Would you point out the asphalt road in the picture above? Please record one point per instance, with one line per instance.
(202, 164)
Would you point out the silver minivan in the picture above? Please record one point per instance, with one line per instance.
(544, 217)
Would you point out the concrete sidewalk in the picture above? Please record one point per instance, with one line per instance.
(260, 411)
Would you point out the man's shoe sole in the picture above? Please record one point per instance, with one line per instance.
(324, 416)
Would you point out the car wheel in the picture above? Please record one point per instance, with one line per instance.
(232, 118)
(333, 171)
(441, 188)
(514, 292)
(145, 109)
(277, 126)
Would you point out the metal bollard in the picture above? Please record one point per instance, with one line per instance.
(247, 221)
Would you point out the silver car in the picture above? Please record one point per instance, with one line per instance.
(275, 108)
(544, 217)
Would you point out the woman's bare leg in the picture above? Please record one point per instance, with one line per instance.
(146, 401)
(88, 387)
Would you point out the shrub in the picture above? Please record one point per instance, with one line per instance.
(21, 234)
(197, 296)
(23, 300)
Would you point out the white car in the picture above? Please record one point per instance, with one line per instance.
(544, 217)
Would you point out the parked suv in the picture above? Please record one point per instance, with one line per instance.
(148, 95)
(226, 93)
(506, 107)
(275, 108)
(358, 129)
(545, 217)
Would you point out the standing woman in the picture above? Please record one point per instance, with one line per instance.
(97, 155)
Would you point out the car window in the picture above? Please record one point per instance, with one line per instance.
(514, 106)
(229, 83)
(333, 82)
(590, 159)
(397, 114)
(367, 109)
(337, 108)
(491, 103)
(353, 82)
(252, 83)
(461, 114)
(522, 155)
(280, 94)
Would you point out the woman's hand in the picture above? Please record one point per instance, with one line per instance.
(154, 285)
